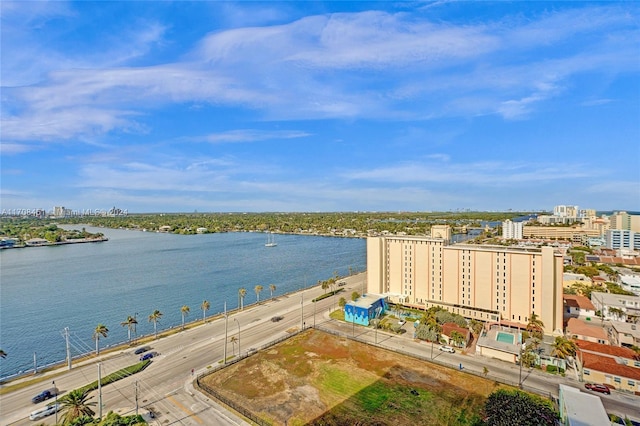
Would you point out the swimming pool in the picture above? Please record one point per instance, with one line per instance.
(505, 337)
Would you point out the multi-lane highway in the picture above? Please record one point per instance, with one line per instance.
(166, 386)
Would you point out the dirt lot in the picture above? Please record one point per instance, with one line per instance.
(319, 379)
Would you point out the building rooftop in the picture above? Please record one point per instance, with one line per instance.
(628, 328)
(449, 327)
(366, 300)
(608, 365)
(578, 301)
(582, 409)
(582, 328)
(606, 350)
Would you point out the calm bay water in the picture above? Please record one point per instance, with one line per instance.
(45, 289)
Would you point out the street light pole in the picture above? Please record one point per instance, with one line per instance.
(520, 360)
(238, 322)
(302, 311)
(226, 326)
(55, 390)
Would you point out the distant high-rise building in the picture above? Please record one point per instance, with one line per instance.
(624, 220)
(565, 211)
(512, 230)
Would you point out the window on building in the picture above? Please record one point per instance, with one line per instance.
(616, 379)
(586, 372)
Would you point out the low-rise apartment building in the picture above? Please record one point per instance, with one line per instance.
(616, 307)
(610, 365)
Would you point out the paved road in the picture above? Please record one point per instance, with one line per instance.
(166, 388)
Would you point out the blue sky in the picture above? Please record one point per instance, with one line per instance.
(155, 106)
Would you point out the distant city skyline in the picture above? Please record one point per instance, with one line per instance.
(320, 106)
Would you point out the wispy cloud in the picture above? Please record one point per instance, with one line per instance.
(251, 135)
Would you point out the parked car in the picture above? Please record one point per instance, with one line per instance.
(45, 411)
(598, 388)
(148, 355)
(142, 350)
(342, 284)
(448, 349)
(44, 395)
(277, 318)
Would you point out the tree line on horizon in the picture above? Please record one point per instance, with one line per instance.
(360, 223)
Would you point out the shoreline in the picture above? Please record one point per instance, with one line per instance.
(57, 243)
(29, 377)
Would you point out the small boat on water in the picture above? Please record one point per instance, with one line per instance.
(271, 241)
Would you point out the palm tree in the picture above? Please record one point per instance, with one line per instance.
(205, 307)
(241, 294)
(355, 295)
(155, 317)
(258, 289)
(457, 338)
(233, 341)
(76, 404)
(184, 311)
(3, 354)
(272, 288)
(130, 323)
(563, 348)
(535, 326)
(101, 330)
(325, 286)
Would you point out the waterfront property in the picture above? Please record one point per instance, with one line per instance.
(486, 283)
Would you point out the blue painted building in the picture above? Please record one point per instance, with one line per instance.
(366, 308)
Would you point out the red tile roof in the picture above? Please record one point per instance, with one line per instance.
(579, 327)
(578, 301)
(449, 327)
(608, 365)
(607, 349)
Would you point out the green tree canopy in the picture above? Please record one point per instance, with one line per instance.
(514, 407)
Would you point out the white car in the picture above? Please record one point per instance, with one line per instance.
(45, 411)
(447, 349)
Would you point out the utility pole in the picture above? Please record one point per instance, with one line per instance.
(226, 322)
(66, 337)
(55, 390)
(136, 397)
(238, 322)
(99, 392)
(302, 311)
(314, 314)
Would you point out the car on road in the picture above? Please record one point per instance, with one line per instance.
(598, 388)
(277, 318)
(448, 349)
(148, 355)
(342, 284)
(142, 350)
(44, 395)
(45, 411)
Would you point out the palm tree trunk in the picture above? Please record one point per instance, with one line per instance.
(155, 329)
(97, 346)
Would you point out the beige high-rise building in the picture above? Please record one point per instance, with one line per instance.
(624, 220)
(488, 283)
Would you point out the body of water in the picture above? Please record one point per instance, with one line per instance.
(44, 290)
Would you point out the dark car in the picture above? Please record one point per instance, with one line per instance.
(598, 388)
(277, 318)
(147, 356)
(42, 396)
(142, 350)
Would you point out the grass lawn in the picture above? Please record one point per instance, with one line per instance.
(316, 378)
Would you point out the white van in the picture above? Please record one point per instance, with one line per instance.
(45, 411)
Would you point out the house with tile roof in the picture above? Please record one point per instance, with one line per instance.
(614, 366)
(585, 330)
(576, 305)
